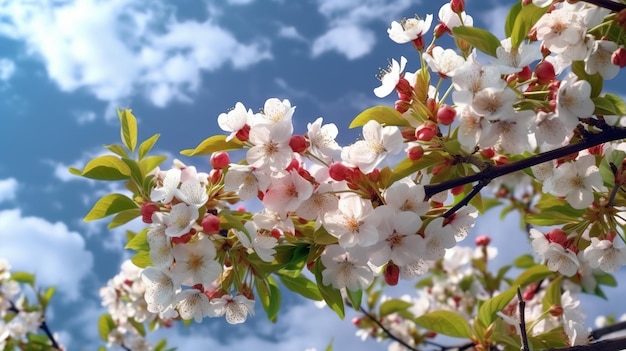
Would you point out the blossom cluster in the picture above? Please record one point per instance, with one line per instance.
(123, 297)
(18, 319)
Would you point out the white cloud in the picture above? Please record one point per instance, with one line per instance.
(351, 41)
(8, 189)
(84, 117)
(290, 32)
(116, 49)
(347, 19)
(50, 250)
(7, 69)
(240, 2)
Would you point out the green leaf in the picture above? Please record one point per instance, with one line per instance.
(301, 285)
(269, 295)
(355, 298)
(606, 279)
(384, 115)
(108, 205)
(105, 325)
(446, 323)
(117, 149)
(107, 167)
(608, 105)
(488, 310)
(510, 18)
(124, 217)
(322, 237)
(146, 145)
(524, 261)
(138, 326)
(595, 80)
(47, 296)
(407, 167)
(553, 294)
(139, 242)
(23, 277)
(330, 294)
(128, 128)
(213, 144)
(479, 38)
(532, 275)
(393, 306)
(524, 21)
(151, 162)
(142, 259)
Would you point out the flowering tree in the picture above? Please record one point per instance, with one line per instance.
(520, 123)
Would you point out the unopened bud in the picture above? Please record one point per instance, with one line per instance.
(544, 72)
(392, 274)
(483, 240)
(414, 153)
(457, 6)
(426, 132)
(619, 57)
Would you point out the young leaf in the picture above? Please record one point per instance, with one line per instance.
(479, 38)
(553, 294)
(446, 323)
(213, 144)
(149, 163)
(407, 166)
(301, 285)
(269, 295)
(108, 205)
(488, 310)
(331, 295)
(532, 275)
(128, 129)
(355, 298)
(23, 277)
(124, 217)
(147, 145)
(142, 259)
(384, 115)
(510, 18)
(117, 149)
(107, 167)
(105, 325)
(392, 306)
(524, 21)
(139, 242)
(524, 261)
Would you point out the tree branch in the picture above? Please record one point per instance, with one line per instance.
(386, 331)
(602, 345)
(492, 172)
(607, 4)
(522, 320)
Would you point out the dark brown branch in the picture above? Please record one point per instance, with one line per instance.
(602, 345)
(493, 172)
(386, 331)
(600, 332)
(522, 320)
(607, 4)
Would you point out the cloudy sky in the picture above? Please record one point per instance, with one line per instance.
(65, 66)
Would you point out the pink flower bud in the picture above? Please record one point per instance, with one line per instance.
(483, 240)
(298, 143)
(338, 171)
(619, 57)
(211, 224)
(415, 153)
(426, 132)
(457, 6)
(545, 72)
(446, 114)
(147, 209)
(392, 274)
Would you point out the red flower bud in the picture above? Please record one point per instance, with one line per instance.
(211, 224)
(446, 114)
(426, 132)
(147, 209)
(338, 171)
(415, 153)
(557, 236)
(482, 240)
(392, 274)
(298, 143)
(243, 134)
(525, 74)
(619, 57)
(402, 106)
(545, 72)
(220, 160)
(457, 6)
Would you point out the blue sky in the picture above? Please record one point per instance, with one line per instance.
(65, 66)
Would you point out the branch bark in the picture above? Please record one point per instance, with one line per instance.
(493, 172)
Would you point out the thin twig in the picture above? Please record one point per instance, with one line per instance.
(600, 332)
(522, 320)
(386, 331)
(475, 190)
